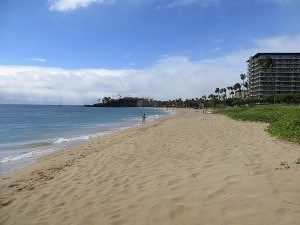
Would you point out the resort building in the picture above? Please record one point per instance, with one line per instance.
(273, 73)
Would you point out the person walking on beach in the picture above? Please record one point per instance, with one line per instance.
(143, 118)
(203, 108)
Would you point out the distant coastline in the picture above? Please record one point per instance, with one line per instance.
(126, 102)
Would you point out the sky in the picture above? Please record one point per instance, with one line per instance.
(84, 50)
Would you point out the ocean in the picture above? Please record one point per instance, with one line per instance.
(28, 131)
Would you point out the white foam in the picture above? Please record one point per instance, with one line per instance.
(84, 137)
(36, 153)
(25, 155)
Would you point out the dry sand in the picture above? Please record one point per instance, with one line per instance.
(191, 169)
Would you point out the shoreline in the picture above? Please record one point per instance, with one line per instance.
(188, 168)
(43, 158)
(62, 143)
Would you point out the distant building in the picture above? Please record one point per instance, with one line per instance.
(273, 73)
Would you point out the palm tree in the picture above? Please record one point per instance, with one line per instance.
(243, 77)
(106, 100)
(246, 85)
(237, 88)
(217, 91)
(225, 93)
(229, 88)
(221, 91)
(232, 93)
(211, 96)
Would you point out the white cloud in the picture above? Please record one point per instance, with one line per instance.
(169, 77)
(175, 3)
(69, 5)
(36, 59)
(280, 43)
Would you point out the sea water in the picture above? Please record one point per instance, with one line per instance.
(28, 131)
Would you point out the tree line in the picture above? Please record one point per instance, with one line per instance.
(234, 95)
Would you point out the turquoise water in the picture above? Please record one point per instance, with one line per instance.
(28, 131)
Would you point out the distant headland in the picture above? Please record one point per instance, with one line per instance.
(126, 102)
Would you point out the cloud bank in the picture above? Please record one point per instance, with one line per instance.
(168, 78)
(171, 77)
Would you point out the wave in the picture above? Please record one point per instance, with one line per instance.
(26, 145)
(25, 155)
(40, 151)
(84, 137)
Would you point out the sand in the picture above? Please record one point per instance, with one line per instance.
(189, 169)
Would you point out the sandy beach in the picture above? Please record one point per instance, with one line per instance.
(189, 169)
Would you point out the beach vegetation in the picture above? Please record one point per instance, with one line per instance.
(284, 120)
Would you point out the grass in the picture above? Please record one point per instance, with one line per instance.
(284, 120)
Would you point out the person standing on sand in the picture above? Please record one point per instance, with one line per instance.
(143, 118)
(203, 108)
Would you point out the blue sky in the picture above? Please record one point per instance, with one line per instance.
(177, 41)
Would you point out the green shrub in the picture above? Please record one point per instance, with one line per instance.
(284, 121)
